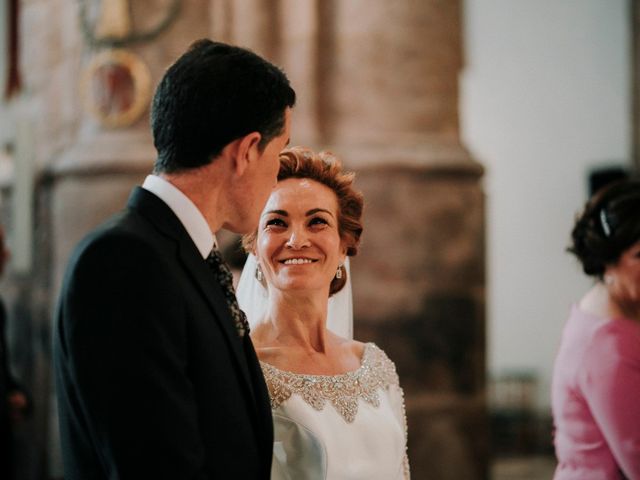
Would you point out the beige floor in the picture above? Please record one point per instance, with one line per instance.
(523, 468)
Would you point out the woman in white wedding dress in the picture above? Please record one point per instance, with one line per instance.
(338, 408)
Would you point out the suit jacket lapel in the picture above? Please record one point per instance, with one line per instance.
(158, 213)
(203, 278)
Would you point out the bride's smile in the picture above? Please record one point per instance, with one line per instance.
(298, 261)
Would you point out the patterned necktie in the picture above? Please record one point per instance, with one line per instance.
(225, 278)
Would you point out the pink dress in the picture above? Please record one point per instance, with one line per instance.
(595, 398)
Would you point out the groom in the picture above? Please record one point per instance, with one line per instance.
(156, 375)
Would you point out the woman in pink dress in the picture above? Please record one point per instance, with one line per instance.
(596, 378)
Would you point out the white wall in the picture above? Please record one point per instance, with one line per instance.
(545, 96)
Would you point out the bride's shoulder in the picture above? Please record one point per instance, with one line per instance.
(361, 349)
(354, 347)
(358, 351)
(371, 353)
(377, 352)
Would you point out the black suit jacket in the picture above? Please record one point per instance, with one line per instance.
(152, 378)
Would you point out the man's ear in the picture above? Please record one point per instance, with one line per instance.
(247, 151)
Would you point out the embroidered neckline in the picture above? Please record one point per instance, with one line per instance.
(363, 360)
(343, 390)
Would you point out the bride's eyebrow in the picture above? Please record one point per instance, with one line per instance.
(313, 211)
(282, 213)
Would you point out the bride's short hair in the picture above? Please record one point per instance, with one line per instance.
(325, 168)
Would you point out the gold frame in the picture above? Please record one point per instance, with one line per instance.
(141, 87)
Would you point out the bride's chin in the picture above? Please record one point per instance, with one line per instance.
(297, 285)
(294, 286)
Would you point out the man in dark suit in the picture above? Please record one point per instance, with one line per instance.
(156, 375)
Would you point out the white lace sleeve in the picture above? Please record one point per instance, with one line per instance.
(396, 396)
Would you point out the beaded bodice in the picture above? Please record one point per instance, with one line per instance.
(341, 391)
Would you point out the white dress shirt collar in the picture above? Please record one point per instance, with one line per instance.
(191, 218)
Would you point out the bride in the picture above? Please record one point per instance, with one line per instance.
(337, 406)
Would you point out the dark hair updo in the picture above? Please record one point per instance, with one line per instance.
(609, 225)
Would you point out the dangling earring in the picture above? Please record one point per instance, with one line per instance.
(259, 275)
(339, 272)
(608, 280)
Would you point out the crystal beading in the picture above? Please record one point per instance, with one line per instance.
(342, 391)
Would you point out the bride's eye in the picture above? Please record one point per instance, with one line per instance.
(318, 221)
(275, 222)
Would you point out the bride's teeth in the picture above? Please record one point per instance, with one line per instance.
(296, 261)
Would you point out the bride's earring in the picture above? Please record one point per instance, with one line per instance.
(339, 272)
(608, 280)
(259, 275)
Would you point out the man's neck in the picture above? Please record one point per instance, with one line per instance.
(205, 190)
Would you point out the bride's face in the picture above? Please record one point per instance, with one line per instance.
(298, 244)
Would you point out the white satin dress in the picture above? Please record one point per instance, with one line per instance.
(339, 427)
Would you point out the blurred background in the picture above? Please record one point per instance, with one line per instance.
(474, 127)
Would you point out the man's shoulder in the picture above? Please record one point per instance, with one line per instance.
(126, 232)
(122, 225)
(137, 219)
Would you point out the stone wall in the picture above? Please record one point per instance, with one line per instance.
(419, 293)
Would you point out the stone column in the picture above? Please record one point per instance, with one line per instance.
(391, 96)
(378, 84)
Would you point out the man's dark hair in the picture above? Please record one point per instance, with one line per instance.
(212, 95)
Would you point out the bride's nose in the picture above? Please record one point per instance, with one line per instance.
(298, 239)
